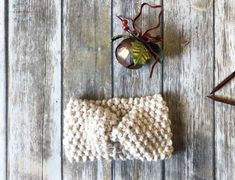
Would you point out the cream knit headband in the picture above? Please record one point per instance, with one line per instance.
(117, 128)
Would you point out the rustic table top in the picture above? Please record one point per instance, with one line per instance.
(52, 50)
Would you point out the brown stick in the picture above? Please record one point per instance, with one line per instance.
(224, 82)
(222, 100)
(219, 86)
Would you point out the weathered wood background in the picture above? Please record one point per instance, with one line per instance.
(53, 49)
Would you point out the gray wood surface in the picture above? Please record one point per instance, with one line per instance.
(34, 133)
(224, 65)
(87, 67)
(52, 50)
(2, 92)
(188, 77)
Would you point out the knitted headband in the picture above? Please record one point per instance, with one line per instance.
(117, 128)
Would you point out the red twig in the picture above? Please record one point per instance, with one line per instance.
(138, 15)
(152, 68)
(157, 26)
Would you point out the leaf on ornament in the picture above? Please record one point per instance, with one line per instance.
(140, 53)
(158, 51)
(114, 38)
(161, 56)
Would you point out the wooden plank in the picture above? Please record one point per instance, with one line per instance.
(134, 83)
(3, 157)
(188, 77)
(224, 65)
(34, 90)
(87, 67)
(52, 93)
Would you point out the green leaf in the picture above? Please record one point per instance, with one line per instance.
(159, 51)
(140, 53)
(161, 55)
(114, 38)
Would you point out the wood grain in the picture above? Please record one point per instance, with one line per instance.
(52, 93)
(87, 67)
(48, 62)
(188, 78)
(34, 90)
(3, 94)
(134, 83)
(224, 65)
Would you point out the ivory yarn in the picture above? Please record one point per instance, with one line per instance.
(117, 128)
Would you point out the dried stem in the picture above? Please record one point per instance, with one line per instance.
(138, 15)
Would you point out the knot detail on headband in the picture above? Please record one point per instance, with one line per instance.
(117, 128)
